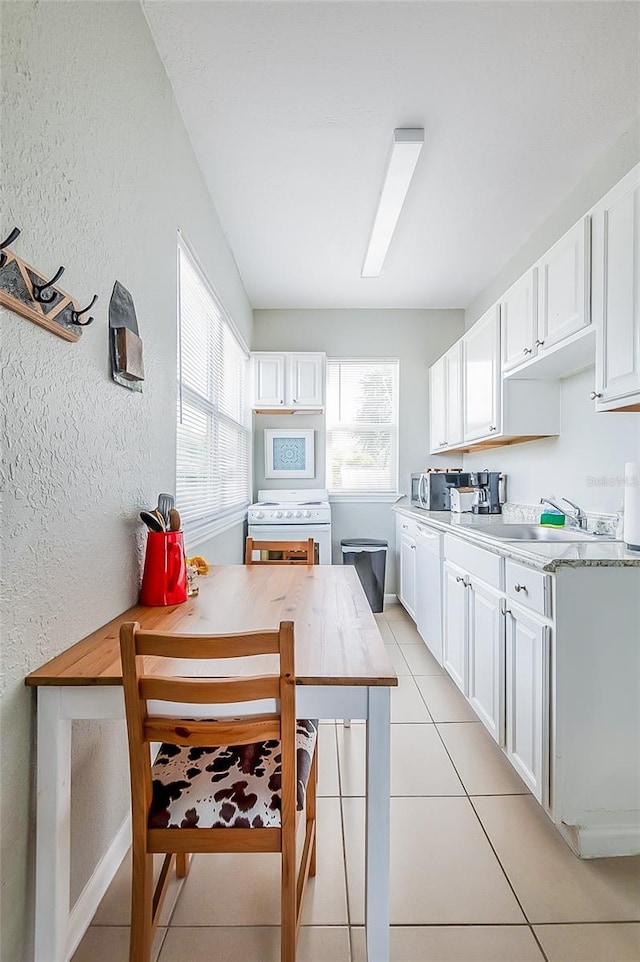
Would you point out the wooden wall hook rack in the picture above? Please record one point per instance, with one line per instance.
(30, 294)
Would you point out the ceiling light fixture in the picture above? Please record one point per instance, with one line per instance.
(407, 144)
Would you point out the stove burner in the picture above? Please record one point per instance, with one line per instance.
(268, 504)
(310, 502)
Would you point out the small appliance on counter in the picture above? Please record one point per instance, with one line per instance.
(432, 488)
(462, 500)
(489, 491)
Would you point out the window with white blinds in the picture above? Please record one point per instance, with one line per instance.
(214, 432)
(362, 425)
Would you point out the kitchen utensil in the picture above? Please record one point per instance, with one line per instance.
(161, 519)
(174, 519)
(165, 503)
(151, 521)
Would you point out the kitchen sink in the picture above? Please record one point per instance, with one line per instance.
(534, 532)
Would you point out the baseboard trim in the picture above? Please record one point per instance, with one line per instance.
(92, 894)
(602, 841)
(391, 599)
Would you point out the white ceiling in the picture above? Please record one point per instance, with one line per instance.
(291, 106)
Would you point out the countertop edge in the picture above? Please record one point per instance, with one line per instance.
(510, 549)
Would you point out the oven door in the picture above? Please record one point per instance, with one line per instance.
(321, 533)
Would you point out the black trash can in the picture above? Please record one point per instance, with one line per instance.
(370, 559)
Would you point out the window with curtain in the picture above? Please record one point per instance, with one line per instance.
(214, 426)
(362, 425)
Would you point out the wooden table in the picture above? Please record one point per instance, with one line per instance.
(342, 671)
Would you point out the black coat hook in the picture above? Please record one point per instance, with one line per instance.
(15, 233)
(43, 292)
(75, 316)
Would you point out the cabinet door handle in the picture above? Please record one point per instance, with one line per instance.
(282, 402)
(539, 343)
(443, 444)
(519, 588)
(594, 395)
(493, 427)
(294, 400)
(413, 547)
(528, 350)
(460, 578)
(505, 610)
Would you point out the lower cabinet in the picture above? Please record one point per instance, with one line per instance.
(456, 624)
(407, 566)
(474, 644)
(527, 699)
(486, 657)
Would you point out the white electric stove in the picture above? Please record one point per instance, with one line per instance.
(293, 516)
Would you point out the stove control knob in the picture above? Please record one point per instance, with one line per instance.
(297, 514)
(288, 514)
(306, 514)
(259, 514)
(278, 514)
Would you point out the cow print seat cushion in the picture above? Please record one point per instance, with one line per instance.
(229, 787)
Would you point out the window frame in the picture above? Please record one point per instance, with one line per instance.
(338, 495)
(221, 518)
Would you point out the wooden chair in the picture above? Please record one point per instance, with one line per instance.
(189, 799)
(293, 552)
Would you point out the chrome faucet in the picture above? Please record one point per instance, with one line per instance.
(577, 520)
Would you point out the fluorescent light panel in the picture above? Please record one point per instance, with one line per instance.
(407, 144)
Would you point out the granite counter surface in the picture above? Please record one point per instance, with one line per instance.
(546, 556)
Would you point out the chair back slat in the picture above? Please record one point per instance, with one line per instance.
(238, 645)
(288, 549)
(211, 734)
(205, 690)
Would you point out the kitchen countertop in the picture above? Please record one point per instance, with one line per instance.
(547, 556)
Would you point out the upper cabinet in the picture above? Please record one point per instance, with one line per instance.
(546, 319)
(519, 313)
(564, 285)
(616, 296)
(445, 400)
(481, 377)
(288, 382)
(468, 379)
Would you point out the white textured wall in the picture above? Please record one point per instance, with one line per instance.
(590, 446)
(97, 171)
(417, 338)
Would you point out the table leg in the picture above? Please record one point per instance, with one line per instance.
(377, 829)
(53, 827)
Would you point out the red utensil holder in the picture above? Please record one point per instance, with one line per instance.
(164, 581)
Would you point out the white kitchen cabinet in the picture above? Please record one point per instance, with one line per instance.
(455, 648)
(616, 296)
(519, 321)
(564, 284)
(306, 379)
(438, 406)
(269, 379)
(486, 657)
(527, 699)
(482, 377)
(406, 542)
(445, 400)
(285, 380)
(453, 368)
(429, 588)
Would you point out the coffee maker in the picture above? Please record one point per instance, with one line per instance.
(489, 491)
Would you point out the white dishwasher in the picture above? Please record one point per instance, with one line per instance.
(429, 550)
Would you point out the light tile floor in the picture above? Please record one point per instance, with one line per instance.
(478, 873)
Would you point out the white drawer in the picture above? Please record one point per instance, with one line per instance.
(477, 561)
(531, 589)
(406, 526)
